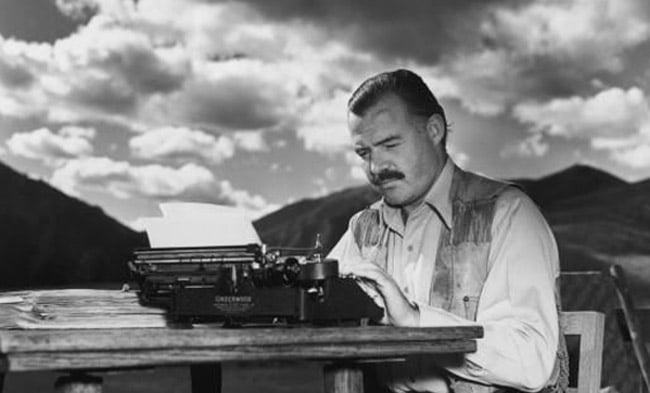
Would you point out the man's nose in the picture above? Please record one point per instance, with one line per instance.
(376, 163)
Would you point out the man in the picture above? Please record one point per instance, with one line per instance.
(448, 247)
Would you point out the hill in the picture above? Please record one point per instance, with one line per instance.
(597, 218)
(296, 225)
(48, 238)
(572, 182)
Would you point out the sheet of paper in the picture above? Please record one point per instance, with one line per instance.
(199, 225)
(10, 299)
(195, 209)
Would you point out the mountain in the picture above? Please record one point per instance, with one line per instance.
(49, 239)
(597, 218)
(569, 183)
(297, 225)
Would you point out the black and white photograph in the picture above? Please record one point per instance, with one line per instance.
(325, 196)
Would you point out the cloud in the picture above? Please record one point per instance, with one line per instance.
(588, 33)
(614, 120)
(533, 146)
(356, 166)
(235, 95)
(101, 72)
(121, 179)
(250, 141)
(42, 144)
(460, 158)
(421, 29)
(610, 113)
(13, 74)
(633, 156)
(492, 52)
(324, 126)
(222, 68)
(545, 49)
(179, 143)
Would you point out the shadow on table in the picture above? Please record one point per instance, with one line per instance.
(238, 378)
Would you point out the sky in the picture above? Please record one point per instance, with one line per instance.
(125, 104)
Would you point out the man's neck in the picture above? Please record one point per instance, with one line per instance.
(406, 210)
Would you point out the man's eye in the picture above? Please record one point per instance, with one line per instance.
(362, 153)
(391, 145)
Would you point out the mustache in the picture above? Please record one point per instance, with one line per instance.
(385, 175)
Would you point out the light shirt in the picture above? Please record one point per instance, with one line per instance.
(516, 308)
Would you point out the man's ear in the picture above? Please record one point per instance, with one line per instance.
(436, 128)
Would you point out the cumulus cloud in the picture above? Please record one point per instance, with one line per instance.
(182, 144)
(43, 144)
(101, 72)
(544, 49)
(236, 95)
(13, 74)
(250, 141)
(356, 166)
(460, 158)
(589, 33)
(179, 143)
(425, 30)
(189, 182)
(493, 52)
(611, 113)
(633, 156)
(533, 146)
(614, 120)
(324, 126)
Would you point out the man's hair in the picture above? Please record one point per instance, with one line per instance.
(405, 84)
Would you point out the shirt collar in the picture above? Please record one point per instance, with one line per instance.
(437, 198)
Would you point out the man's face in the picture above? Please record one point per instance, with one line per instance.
(401, 156)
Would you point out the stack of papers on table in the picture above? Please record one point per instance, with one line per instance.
(76, 309)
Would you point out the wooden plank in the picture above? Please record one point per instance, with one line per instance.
(17, 341)
(343, 378)
(590, 326)
(634, 328)
(178, 355)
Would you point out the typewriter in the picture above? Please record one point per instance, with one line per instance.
(252, 283)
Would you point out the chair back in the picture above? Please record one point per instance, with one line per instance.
(634, 328)
(587, 327)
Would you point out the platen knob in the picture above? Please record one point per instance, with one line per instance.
(311, 271)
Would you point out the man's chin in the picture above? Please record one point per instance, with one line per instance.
(393, 200)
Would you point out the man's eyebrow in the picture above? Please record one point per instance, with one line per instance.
(388, 139)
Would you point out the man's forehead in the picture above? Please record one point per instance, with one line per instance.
(374, 116)
(370, 134)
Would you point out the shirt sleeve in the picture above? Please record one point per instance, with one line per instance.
(517, 307)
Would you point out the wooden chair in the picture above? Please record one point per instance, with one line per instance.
(589, 327)
(631, 320)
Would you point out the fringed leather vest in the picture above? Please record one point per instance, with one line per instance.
(462, 262)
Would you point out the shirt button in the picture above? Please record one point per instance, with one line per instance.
(409, 248)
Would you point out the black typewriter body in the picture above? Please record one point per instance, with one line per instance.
(249, 284)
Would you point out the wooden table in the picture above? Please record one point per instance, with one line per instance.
(204, 348)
